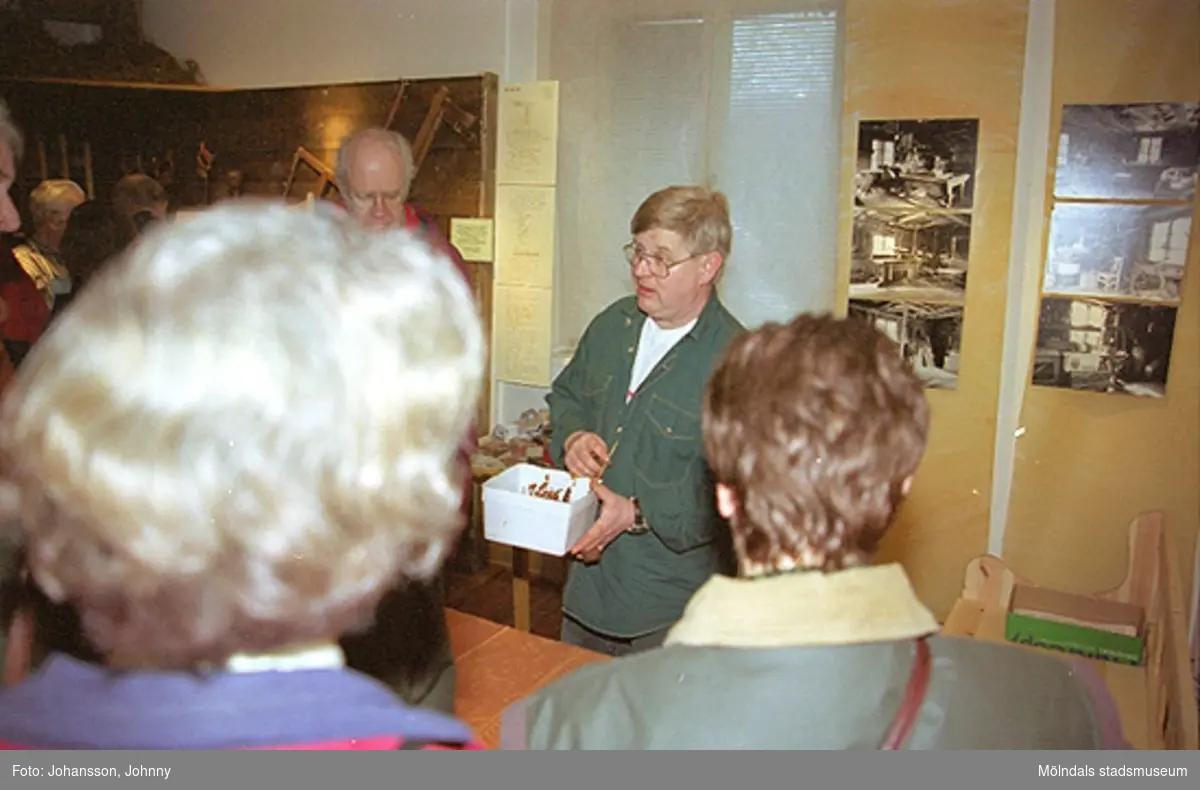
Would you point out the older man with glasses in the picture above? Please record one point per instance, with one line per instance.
(626, 413)
(408, 645)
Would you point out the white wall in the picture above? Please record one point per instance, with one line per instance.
(267, 43)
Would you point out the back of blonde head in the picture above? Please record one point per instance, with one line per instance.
(242, 433)
(56, 195)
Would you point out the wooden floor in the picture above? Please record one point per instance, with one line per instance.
(488, 594)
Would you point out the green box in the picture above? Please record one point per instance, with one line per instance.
(1074, 639)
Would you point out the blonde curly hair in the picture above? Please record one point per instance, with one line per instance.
(243, 433)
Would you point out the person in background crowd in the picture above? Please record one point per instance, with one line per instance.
(92, 237)
(24, 310)
(627, 409)
(12, 146)
(50, 207)
(814, 430)
(138, 201)
(408, 645)
(217, 534)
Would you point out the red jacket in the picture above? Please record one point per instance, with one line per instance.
(28, 312)
(420, 222)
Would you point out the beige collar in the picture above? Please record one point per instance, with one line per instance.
(867, 604)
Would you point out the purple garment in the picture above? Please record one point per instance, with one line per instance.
(69, 704)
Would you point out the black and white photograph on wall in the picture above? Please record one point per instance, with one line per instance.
(909, 253)
(929, 335)
(926, 164)
(1128, 151)
(1134, 251)
(1103, 346)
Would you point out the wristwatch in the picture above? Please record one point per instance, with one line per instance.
(640, 527)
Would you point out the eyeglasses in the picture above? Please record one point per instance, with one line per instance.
(369, 199)
(658, 267)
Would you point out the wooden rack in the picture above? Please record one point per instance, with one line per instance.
(1157, 701)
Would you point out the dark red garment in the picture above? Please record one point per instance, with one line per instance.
(417, 220)
(420, 222)
(28, 312)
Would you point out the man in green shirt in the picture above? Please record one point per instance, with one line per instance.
(626, 413)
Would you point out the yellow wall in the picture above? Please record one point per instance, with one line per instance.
(942, 59)
(1088, 463)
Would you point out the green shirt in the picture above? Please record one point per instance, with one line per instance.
(642, 582)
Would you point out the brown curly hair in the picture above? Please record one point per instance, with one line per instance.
(816, 426)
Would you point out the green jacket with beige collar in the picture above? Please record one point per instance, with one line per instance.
(642, 582)
(816, 661)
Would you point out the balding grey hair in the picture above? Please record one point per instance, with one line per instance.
(375, 134)
(55, 194)
(10, 133)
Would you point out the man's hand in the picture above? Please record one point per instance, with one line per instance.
(617, 515)
(586, 455)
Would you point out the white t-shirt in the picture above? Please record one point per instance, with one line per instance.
(653, 345)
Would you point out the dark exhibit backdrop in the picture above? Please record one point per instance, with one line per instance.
(95, 133)
(253, 136)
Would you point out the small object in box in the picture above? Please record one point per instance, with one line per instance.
(543, 490)
(1077, 624)
(542, 510)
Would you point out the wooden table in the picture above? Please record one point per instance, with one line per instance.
(520, 557)
(498, 665)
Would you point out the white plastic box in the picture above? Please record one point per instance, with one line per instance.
(525, 521)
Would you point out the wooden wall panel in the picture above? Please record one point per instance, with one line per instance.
(254, 131)
(1088, 463)
(946, 59)
(137, 128)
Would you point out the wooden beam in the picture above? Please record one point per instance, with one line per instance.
(429, 127)
(64, 156)
(460, 120)
(326, 173)
(401, 89)
(89, 178)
